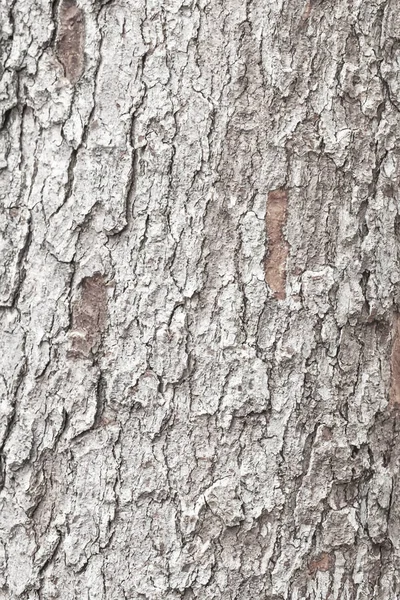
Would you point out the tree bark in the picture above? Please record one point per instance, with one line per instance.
(199, 288)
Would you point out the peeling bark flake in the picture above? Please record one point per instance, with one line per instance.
(89, 317)
(394, 398)
(70, 42)
(278, 248)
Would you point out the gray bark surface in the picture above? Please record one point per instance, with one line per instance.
(199, 289)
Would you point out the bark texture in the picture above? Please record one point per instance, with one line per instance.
(199, 289)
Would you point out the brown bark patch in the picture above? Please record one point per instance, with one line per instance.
(89, 315)
(394, 397)
(70, 40)
(307, 11)
(278, 248)
(322, 562)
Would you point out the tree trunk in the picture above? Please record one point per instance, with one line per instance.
(200, 348)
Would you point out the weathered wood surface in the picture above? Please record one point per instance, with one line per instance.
(199, 289)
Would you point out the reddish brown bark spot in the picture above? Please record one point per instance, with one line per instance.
(394, 398)
(278, 248)
(322, 562)
(70, 39)
(307, 11)
(326, 433)
(89, 315)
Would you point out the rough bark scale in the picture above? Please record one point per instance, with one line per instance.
(171, 426)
